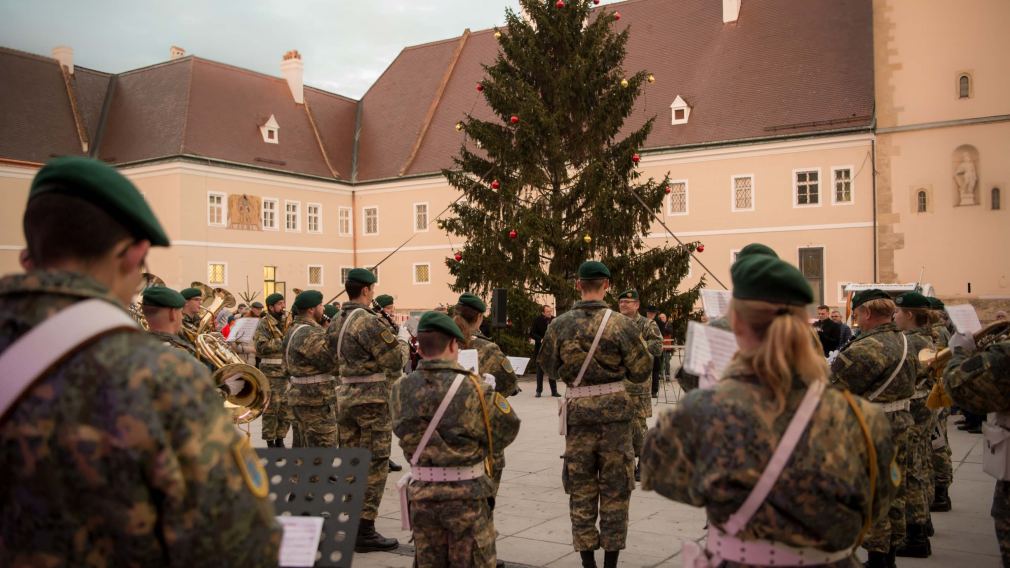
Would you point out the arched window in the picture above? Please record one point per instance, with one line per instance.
(964, 86)
(921, 202)
(995, 197)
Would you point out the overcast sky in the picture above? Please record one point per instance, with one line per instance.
(346, 44)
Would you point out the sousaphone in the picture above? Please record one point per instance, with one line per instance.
(245, 389)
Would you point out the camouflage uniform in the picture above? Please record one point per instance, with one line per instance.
(307, 354)
(943, 468)
(173, 340)
(919, 477)
(710, 451)
(452, 524)
(980, 383)
(122, 455)
(369, 348)
(640, 393)
(189, 324)
(599, 460)
(491, 360)
(268, 341)
(863, 366)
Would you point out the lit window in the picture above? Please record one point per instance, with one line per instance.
(921, 203)
(269, 280)
(315, 275)
(843, 185)
(964, 87)
(808, 188)
(270, 214)
(422, 273)
(420, 217)
(678, 198)
(291, 215)
(995, 198)
(217, 272)
(215, 209)
(371, 215)
(743, 193)
(314, 217)
(344, 221)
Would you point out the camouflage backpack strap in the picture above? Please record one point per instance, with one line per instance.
(343, 330)
(871, 453)
(52, 341)
(894, 375)
(287, 352)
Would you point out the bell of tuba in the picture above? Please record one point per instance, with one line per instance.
(214, 300)
(244, 388)
(135, 309)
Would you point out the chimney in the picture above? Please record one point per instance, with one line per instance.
(176, 52)
(65, 55)
(292, 69)
(730, 11)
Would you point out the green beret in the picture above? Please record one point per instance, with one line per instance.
(766, 278)
(472, 301)
(329, 310)
(593, 270)
(274, 298)
(361, 275)
(755, 248)
(190, 293)
(630, 294)
(936, 303)
(106, 188)
(256, 305)
(863, 296)
(163, 297)
(912, 300)
(384, 300)
(308, 299)
(651, 308)
(437, 321)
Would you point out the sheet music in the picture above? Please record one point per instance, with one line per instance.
(708, 352)
(519, 364)
(964, 318)
(242, 330)
(715, 302)
(468, 360)
(300, 541)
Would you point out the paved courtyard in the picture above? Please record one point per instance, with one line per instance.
(532, 511)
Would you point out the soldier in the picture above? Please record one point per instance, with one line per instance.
(370, 360)
(594, 350)
(163, 311)
(268, 341)
(880, 366)
(329, 312)
(309, 361)
(980, 383)
(628, 303)
(913, 319)
(117, 450)
(448, 485)
(943, 468)
(657, 361)
(191, 312)
(811, 503)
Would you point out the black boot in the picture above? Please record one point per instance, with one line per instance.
(610, 558)
(370, 541)
(279, 443)
(638, 470)
(941, 501)
(393, 466)
(890, 557)
(916, 543)
(588, 558)
(929, 528)
(270, 443)
(876, 560)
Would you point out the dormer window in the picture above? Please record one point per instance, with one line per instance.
(270, 131)
(680, 112)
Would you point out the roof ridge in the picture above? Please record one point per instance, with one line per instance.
(82, 133)
(319, 140)
(265, 75)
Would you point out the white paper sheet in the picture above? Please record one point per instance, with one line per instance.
(468, 360)
(300, 541)
(964, 318)
(519, 364)
(715, 302)
(708, 352)
(242, 330)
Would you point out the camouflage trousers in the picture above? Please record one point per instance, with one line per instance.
(316, 426)
(598, 476)
(369, 426)
(277, 416)
(1001, 518)
(889, 529)
(943, 469)
(458, 532)
(639, 426)
(497, 468)
(919, 477)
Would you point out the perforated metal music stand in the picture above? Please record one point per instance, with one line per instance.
(321, 482)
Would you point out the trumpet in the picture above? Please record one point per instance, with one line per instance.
(244, 388)
(937, 361)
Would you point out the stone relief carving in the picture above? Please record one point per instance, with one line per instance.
(965, 161)
(244, 212)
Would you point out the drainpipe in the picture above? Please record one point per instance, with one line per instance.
(873, 165)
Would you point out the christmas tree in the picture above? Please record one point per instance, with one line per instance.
(554, 181)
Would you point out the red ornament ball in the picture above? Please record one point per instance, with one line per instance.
(514, 119)
(559, 4)
(617, 15)
(597, 2)
(458, 256)
(701, 248)
(667, 190)
(635, 158)
(495, 184)
(480, 88)
(513, 234)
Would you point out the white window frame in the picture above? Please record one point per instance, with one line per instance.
(413, 273)
(308, 275)
(852, 185)
(841, 296)
(820, 188)
(263, 209)
(319, 221)
(224, 209)
(298, 216)
(687, 203)
(732, 192)
(223, 263)
(350, 221)
(343, 279)
(427, 217)
(364, 220)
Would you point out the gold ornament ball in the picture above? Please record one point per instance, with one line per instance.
(652, 78)
(497, 35)
(624, 83)
(459, 126)
(587, 239)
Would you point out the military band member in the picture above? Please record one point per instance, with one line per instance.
(269, 344)
(329, 312)
(880, 366)
(120, 453)
(628, 303)
(162, 309)
(450, 519)
(712, 449)
(369, 361)
(310, 365)
(599, 461)
(943, 468)
(191, 312)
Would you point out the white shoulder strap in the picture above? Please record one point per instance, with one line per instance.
(436, 419)
(287, 352)
(894, 375)
(343, 329)
(592, 349)
(50, 341)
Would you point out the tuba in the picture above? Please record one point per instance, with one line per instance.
(244, 388)
(214, 300)
(135, 309)
(991, 334)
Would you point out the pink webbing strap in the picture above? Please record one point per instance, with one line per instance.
(779, 459)
(563, 403)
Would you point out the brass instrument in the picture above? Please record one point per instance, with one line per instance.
(135, 309)
(214, 300)
(245, 389)
(993, 333)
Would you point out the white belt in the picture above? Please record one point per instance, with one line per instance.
(311, 380)
(373, 378)
(895, 406)
(583, 392)
(767, 552)
(277, 361)
(447, 474)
